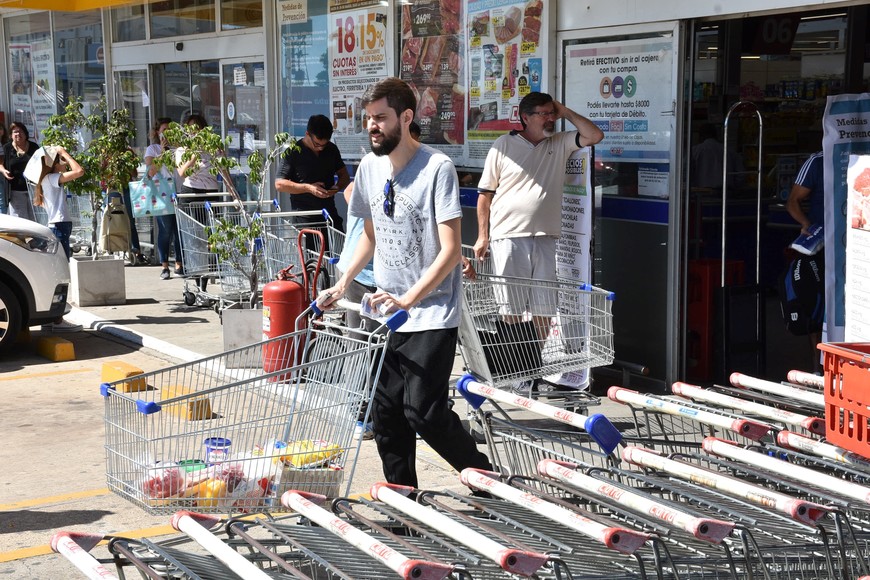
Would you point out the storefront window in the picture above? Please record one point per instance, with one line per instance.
(79, 54)
(182, 17)
(244, 116)
(304, 71)
(131, 93)
(128, 23)
(28, 37)
(241, 14)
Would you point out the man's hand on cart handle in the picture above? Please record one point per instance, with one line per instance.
(327, 298)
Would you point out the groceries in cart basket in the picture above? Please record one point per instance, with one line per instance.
(245, 481)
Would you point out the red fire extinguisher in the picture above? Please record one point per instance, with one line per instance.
(284, 300)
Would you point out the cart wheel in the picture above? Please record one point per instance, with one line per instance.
(218, 307)
(189, 298)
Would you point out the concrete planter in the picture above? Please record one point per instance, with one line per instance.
(97, 282)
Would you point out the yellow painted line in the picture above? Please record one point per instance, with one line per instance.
(39, 375)
(45, 549)
(53, 499)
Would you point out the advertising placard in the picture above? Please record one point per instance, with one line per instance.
(507, 44)
(43, 86)
(22, 85)
(858, 250)
(618, 86)
(431, 62)
(846, 132)
(574, 251)
(358, 58)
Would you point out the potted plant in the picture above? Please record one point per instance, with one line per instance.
(100, 142)
(236, 243)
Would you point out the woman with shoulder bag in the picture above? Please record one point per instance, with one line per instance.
(167, 226)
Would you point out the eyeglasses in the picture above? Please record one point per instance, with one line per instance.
(544, 113)
(389, 198)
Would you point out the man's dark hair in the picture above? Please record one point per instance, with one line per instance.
(532, 100)
(320, 126)
(398, 93)
(414, 129)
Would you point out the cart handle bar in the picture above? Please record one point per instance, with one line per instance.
(306, 504)
(395, 320)
(76, 547)
(616, 538)
(511, 560)
(597, 426)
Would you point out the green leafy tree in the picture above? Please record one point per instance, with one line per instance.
(105, 156)
(237, 243)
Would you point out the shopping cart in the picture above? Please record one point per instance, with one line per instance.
(500, 340)
(228, 432)
(517, 442)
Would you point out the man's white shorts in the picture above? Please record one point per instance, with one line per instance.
(530, 259)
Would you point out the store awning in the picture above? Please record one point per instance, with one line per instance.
(62, 5)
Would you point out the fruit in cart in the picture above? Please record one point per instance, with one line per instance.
(309, 453)
(215, 492)
(163, 482)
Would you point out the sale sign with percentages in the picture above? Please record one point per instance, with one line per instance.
(431, 62)
(358, 59)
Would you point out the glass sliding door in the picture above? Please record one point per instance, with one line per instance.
(131, 93)
(182, 88)
(244, 116)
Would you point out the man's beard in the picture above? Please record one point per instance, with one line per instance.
(549, 131)
(389, 142)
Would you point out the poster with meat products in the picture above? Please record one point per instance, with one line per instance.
(431, 62)
(507, 50)
(858, 249)
(358, 58)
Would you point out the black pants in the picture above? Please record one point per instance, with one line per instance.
(411, 397)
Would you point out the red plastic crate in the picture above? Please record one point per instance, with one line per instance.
(847, 395)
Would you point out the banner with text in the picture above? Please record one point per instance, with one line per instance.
(358, 59)
(574, 251)
(846, 132)
(431, 62)
(623, 88)
(858, 250)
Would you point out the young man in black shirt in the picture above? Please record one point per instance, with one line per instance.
(314, 174)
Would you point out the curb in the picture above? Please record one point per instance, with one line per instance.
(88, 320)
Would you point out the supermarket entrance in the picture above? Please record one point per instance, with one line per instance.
(785, 65)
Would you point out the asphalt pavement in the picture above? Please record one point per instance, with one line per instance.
(53, 444)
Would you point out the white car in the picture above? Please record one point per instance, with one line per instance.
(34, 277)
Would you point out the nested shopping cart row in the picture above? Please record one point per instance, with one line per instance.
(273, 249)
(590, 506)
